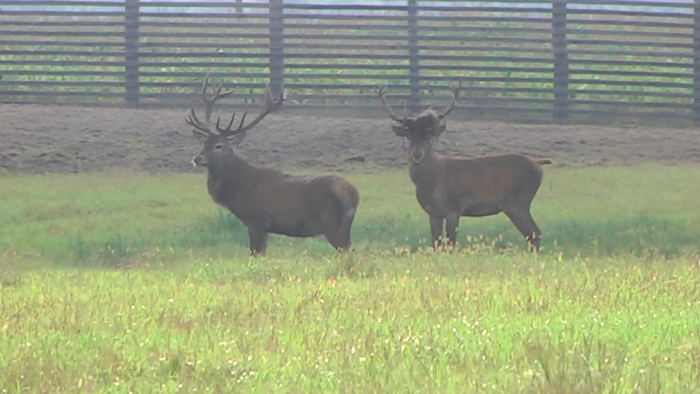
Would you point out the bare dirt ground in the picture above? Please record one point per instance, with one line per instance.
(60, 139)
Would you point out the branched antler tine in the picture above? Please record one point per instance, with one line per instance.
(269, 106)
(227, 93)
(193, 121)
(380, 91)
(226, 130)
(455, 92)
(243, 119)
(208, 102)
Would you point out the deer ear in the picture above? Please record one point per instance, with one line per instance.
(399, 130)
(200, 135)
(236, 139)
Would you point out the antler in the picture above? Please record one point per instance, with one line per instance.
(209, 102)
(380, 91)
(455, 92)
(269, 106)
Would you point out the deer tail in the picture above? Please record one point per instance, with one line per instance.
(544, 161)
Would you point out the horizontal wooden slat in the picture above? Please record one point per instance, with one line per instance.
(317, 46)
(194, 75)
(364, 97)
(312, 56)
(637, 3)
(341, 86)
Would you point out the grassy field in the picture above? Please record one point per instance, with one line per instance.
(128, 282)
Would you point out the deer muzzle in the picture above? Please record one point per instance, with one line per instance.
(198, 161)
(416, 155)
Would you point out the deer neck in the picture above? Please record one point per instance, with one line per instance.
(229, 176)
(425, 173)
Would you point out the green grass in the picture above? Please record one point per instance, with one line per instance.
(595, 211)
(129, 282)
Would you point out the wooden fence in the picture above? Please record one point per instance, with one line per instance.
(559, 60)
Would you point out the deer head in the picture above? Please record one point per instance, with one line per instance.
(422, 129)
(218, 141)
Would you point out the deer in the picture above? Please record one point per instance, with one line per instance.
(448, 188)
(266, 200)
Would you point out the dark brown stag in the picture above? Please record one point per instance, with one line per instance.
(265, 200)
(450, 187)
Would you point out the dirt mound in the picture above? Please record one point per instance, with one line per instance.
(40, 139)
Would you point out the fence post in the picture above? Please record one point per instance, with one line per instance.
(561, 62)
(696, 63)
(131, 53)
(413, 56)
(276, 45)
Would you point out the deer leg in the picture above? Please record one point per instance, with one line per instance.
(452, 224)
(436, 226)
(258, 241)
(340, 237)
(345, 232)
(524, 222)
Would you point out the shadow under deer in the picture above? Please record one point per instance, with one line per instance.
(448, 188)
(266, 200)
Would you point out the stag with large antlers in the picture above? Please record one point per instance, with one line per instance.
(265, 200)
(448, 188)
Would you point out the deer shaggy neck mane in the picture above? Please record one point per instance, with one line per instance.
(228, 176)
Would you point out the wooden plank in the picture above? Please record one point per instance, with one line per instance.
(629, 33)
(632, 63)
(648, 24)
(621, 3)
(651, 74)
(131, 56)
(359, 87)
(349, 47)
(67, 24)
(63, 43)
(35, 33)
(630, 82)
(443, 18)
(77, 14)
(425, 78)
(589, 41)
(414, 56)
(54, 3)
(561, 62)
(277, 38)
(66, 93)
(625, 13)
(364, 97)
(696, 63)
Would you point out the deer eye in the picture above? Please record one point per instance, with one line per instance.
(218, 146)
